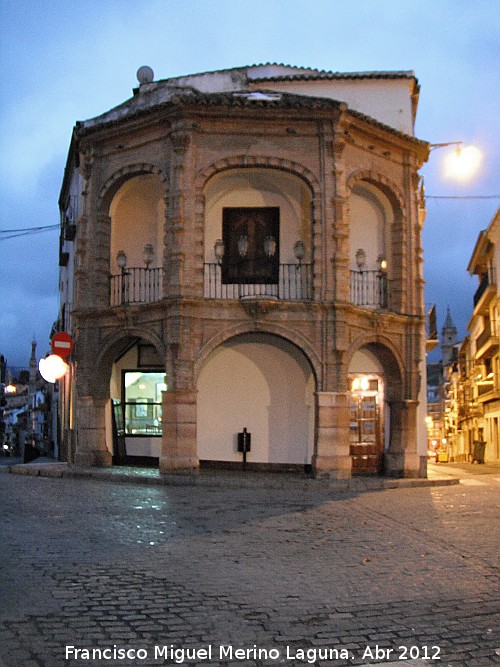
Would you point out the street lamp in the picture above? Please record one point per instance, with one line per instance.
(463, 162)
(52, 368)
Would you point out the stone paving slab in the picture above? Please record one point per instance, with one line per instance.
(91, 564)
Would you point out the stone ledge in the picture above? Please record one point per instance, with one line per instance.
(226, 479)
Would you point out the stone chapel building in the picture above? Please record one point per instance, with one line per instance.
(241, 249)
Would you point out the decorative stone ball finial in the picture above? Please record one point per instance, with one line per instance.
(145, 75)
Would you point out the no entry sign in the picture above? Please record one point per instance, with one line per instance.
(62, 344)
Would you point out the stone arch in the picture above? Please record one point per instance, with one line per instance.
(397, 413)
(118, 178)
(306, 221)
(388, 355)
(388, 187)
(287, 334)
(258, 162)
(266, 383)
(111, 346)
(392, 229)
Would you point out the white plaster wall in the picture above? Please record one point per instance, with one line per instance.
(137, 218)
(364, 361)
(386, 100)
(370, 226)
(261, 383)
(143, 446)
(260, 187)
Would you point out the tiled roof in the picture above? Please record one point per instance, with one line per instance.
(172, 96)
(329, 76)
(308, 73)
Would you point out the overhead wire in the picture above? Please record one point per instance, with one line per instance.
(25, 231)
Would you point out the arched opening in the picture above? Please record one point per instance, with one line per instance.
(132, 382)
(257, 235)
(375, 384)
(137, 214)
(371, 259)
(265, 384)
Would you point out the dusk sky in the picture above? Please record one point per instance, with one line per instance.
(69, 60)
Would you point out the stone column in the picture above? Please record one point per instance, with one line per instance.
(332, 456)
(91, 448)
(179, 446)
(402, 458)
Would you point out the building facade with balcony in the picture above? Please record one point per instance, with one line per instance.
(241, 250)
(479, 360)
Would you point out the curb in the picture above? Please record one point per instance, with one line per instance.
(225, 480)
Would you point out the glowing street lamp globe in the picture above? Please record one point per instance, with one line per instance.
(52, 368)
(462, 163)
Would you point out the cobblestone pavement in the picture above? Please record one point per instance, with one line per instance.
(286, 576)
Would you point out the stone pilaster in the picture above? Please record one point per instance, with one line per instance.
(402, 458)
(179, 447)
(102, 241)
(332, 456)
(92, 450)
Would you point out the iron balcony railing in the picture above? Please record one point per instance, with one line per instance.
(294, 284)
(369, 288)
(136, 285)
(487, 280)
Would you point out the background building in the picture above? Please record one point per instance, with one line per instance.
(480, 357)
(28, 412)
(241, 250)
(467, 380)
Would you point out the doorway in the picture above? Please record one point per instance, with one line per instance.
(366, 435)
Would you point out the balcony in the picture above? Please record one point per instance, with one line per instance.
(487, 281)
(136, 285)
(369, 289)
(487, 342)
(431, 337)
(294, 284)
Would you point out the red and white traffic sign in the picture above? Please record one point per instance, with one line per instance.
(62, 344)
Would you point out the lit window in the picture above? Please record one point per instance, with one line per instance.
(143, 402)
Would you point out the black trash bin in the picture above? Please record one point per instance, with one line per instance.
(478, 454)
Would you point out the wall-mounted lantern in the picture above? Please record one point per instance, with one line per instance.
(219, 250)
(269, 246)
(148, 254)
(121, 260)
(360, 258)
(300, 251)
(243, 245)
(382, 263)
